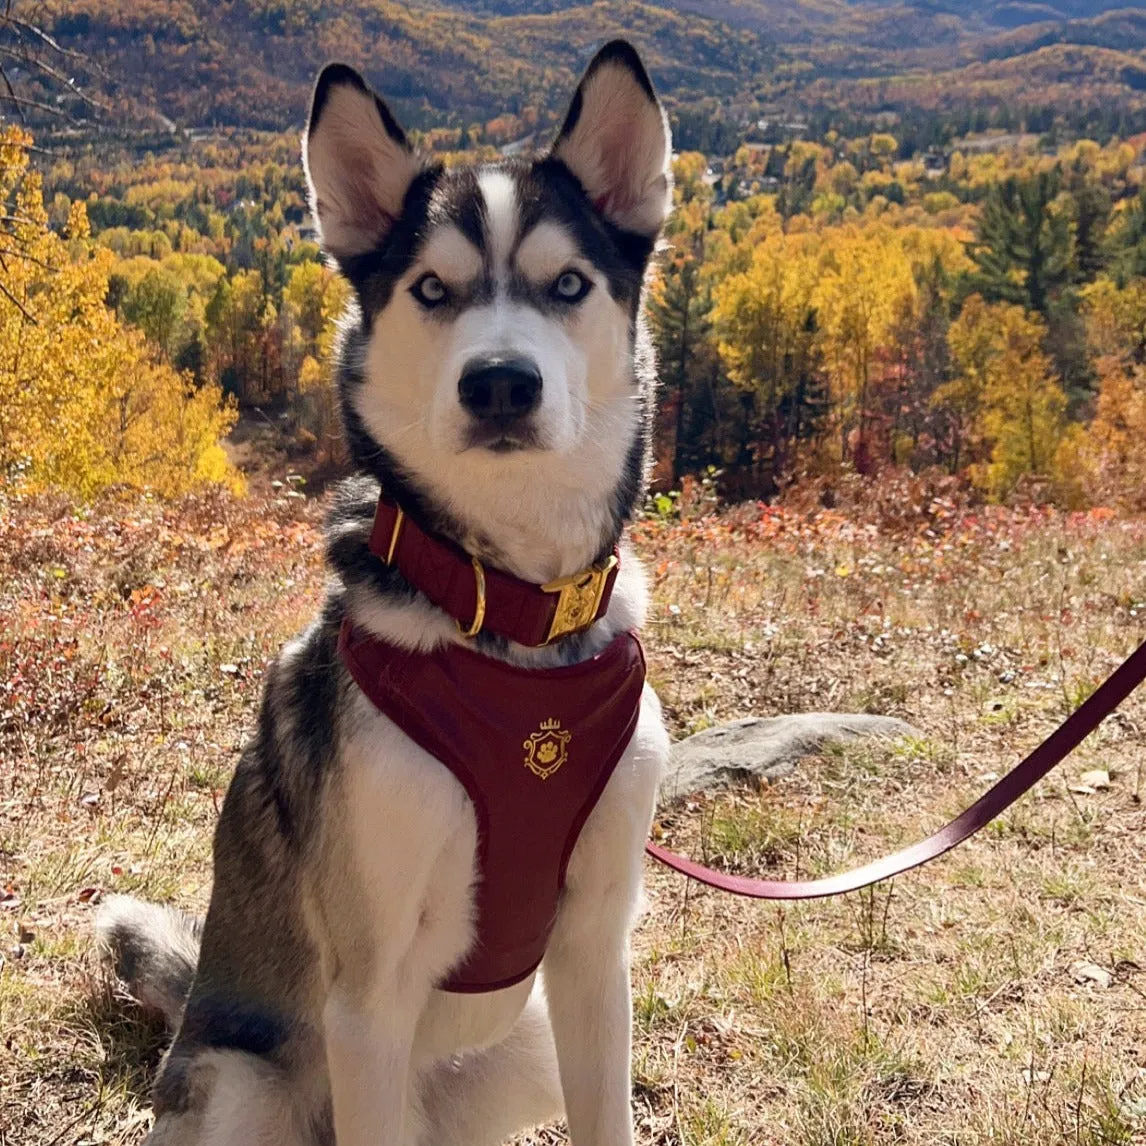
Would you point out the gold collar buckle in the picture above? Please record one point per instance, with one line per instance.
(579, 598)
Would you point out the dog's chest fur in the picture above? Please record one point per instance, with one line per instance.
(405, 858)
(412, 838)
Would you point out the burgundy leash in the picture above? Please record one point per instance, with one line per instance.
(1056, 748)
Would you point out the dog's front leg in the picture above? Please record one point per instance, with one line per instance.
(392, 915)
(369, 1045)
(586, 969)
(386, 972)
(587, 987)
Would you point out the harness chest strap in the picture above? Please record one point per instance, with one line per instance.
(533, 748)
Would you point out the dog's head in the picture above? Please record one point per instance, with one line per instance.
(495, 349)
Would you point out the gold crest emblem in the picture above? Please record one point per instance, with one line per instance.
(547, 749)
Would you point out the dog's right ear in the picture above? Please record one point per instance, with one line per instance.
(358, 163)
(616, 141)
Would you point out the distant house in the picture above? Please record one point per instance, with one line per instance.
(994, 141)
(934, 164)
(783, 126)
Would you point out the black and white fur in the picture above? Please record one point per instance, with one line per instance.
(345, 855)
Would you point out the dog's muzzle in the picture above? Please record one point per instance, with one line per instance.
(500, 390)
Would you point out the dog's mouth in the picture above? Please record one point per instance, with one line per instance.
(509, 437)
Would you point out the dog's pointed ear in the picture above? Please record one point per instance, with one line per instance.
(616, 141)
(358, 163)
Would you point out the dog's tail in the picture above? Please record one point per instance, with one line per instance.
(153, 949)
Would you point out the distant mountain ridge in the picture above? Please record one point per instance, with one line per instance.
(1012, 13)
(772, 16)
(250, 62)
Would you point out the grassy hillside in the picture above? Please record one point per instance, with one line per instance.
(994, 997)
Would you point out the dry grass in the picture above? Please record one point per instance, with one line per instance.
(943, 1009)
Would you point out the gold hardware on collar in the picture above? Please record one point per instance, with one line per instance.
(479, 612)
(580, 598)
(399, 517)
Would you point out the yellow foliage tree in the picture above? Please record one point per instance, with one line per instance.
(1005, 388)
(313, 300)
(688, 178)
(765, 317)
(84, 402)
(1105, 459)
(1116, 318)
(865, 282)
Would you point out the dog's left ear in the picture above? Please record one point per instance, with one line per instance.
(616, 141)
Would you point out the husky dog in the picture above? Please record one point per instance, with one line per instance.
(495, 382)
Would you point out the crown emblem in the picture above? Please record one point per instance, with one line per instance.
(547, 748)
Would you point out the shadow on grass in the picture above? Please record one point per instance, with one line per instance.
(127, 1043)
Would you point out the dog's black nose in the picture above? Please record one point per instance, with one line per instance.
(500, 387)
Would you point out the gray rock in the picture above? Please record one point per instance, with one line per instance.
(765, 747)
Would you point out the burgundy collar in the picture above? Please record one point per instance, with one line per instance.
(484, 599)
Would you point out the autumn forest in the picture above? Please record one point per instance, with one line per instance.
(951, 291)
(819, 307)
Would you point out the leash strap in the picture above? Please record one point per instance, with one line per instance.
(1060, 744)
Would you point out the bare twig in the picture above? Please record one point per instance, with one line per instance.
(886, 913)
(785, 955)
(52, 73)
(25, 43)
(1078, 1106)
(21, 101)
(12, 94)
(27, 258)
(42, 37)
(17, 304)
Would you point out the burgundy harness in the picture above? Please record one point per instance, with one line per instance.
(533, 748)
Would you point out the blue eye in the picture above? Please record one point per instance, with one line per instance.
(570, 286)
(430, 291)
